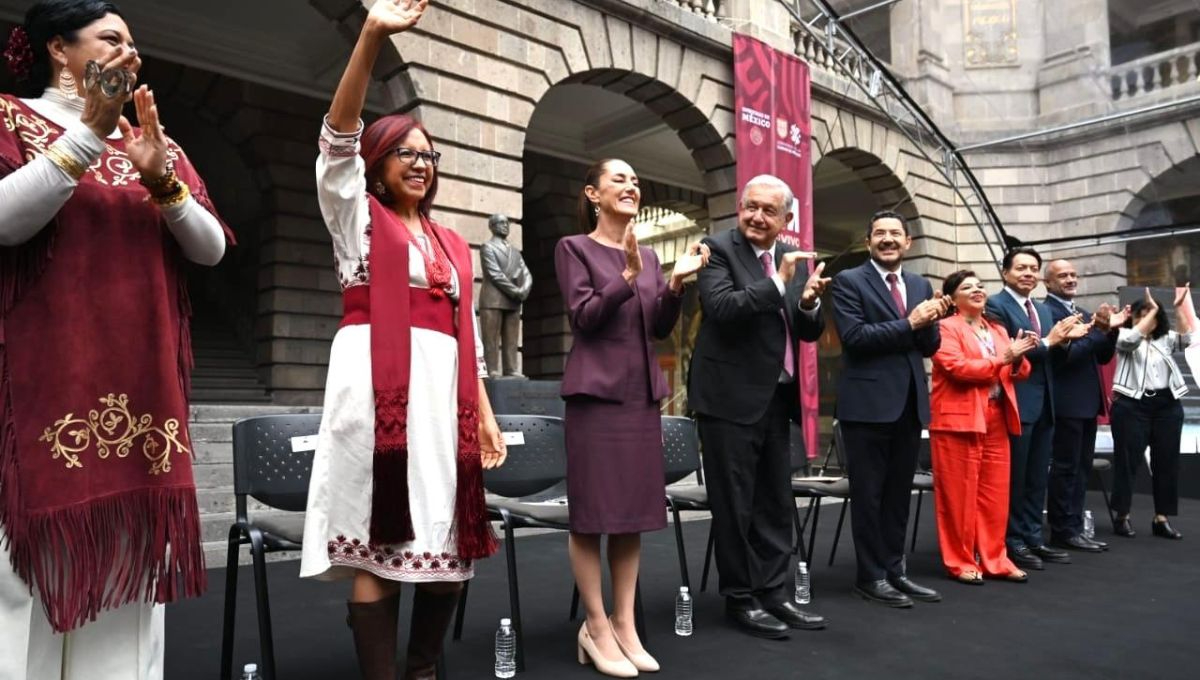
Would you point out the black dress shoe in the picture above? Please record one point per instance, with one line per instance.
(1099, 544)
(1049, 554)
(1123, 527)
(1076, 543)
(1163, 529)
(758, 623)
(882, 592)
(796, 617)
(1025, 559)
(916, 592)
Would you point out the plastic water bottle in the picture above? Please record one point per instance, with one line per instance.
(1089, 524)
(250, 672)
(683, 612)
(803, 583)
(506, 650)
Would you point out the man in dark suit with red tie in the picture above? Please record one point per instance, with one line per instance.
(742, 386)
(887, 321)
(1030, 451)
(1078, 400)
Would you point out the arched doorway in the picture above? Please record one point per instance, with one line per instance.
(849, 185)
(682, 164)
(1170, 200)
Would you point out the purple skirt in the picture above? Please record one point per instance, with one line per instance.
(615, 477)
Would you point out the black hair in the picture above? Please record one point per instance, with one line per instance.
(1161, 325)
(885, 215)
(955, 280)
(586, 211)
(1023, 250)
(50, 18)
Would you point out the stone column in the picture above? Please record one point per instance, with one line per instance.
(919, 55)
(1070, 82)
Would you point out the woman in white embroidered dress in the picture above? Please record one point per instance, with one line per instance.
(396, 492)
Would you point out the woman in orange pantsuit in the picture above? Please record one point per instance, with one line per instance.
(974, 410)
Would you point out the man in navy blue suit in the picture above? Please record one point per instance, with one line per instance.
(1078, 400)
(1030, 451)
(887, 321)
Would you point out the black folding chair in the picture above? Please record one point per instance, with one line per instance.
(529, 491)
(922, 482)
(681, 453)
(267, 468)
(696, 498)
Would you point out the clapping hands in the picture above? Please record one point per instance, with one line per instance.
(928, 312)
(696, 258)
(1019, 348)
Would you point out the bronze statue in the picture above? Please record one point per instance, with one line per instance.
(506, 284)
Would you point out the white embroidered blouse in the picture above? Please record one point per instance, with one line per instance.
(342, 194)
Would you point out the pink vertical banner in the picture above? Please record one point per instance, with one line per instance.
(773, 129)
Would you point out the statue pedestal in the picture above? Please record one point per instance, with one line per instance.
(521, 396)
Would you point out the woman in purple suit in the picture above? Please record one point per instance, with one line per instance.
(617, 303)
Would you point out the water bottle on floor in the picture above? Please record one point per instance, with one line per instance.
(250, 672)
(803, 583)
(683, 612)
(506, 650)
(1089, 524)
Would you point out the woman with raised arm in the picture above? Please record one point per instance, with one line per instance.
(618, 303)
(98, 514)
(1147, 412)
(397, 490)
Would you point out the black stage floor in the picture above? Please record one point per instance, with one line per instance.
(1130, 613)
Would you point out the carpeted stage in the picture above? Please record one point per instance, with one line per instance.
(1129, 613)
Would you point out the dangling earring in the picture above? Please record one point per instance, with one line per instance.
(380, 190)
(66, 83)
(596, 210)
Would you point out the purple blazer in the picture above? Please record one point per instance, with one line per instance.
(603, 312)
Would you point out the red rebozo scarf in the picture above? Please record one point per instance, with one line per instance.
(97, 501)
(394, 307)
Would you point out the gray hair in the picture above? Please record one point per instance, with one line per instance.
(773, 182)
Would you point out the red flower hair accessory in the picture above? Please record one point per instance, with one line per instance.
(18, 54)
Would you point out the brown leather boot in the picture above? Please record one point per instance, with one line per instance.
(431, 616)
(374, 625)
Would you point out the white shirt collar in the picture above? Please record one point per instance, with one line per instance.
(1021, 299)
(884, 273)
(1069, 304)
(759, 251)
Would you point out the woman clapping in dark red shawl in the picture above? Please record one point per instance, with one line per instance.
(97, 502)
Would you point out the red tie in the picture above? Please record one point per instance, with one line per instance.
(1033, 318)
(896, 297)
(768, 266)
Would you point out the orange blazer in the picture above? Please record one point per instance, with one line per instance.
(963, 374)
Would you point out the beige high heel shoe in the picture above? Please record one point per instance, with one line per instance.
(640, 660)
(586, 648)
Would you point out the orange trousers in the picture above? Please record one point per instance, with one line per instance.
(970, 490)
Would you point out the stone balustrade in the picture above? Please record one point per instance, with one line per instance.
(814, 49)
(709, 9)
(1155, 73)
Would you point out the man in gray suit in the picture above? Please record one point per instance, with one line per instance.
(506, 284)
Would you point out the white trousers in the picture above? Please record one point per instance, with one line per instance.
(126, 643)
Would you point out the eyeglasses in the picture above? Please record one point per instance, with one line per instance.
(409, 157)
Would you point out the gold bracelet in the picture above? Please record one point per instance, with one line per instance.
(164, 186)
(65, 161)
(171, 200)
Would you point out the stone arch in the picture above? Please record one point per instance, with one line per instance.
(1167, 198)
(899, 175)
(475, 74)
